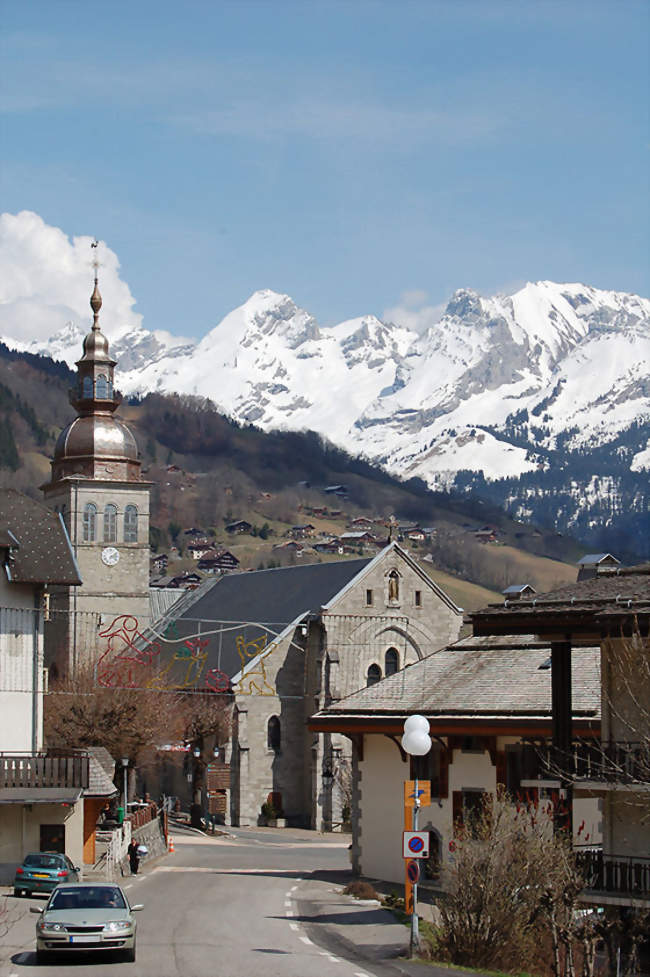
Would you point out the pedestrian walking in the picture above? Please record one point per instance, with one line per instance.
(134, 857)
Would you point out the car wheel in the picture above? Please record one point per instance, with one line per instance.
(129, 953)
(18, 893)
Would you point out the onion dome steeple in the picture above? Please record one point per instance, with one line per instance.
(96, 444)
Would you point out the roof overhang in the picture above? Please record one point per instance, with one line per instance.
(39, 795)
(487, 725)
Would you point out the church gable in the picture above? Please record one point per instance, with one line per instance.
(390, 615)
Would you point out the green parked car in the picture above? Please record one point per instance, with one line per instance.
(42, 871)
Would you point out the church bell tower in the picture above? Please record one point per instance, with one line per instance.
(96, 486)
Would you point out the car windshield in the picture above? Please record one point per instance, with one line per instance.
(87, 897)
(43, 861)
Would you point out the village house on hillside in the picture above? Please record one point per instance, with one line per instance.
(286, 639)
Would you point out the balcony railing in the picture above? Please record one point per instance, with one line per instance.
(52, 769)
(622, 762)
(614, 874)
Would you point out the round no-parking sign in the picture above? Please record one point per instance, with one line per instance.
(416, 844)
(413, 871)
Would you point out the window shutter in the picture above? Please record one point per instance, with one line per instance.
(457, 808)
(501, 768)
(443, 782)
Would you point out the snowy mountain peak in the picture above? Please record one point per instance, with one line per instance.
(550, 363)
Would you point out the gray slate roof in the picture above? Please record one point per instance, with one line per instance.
(271, 599)
(615, 590)
(43, 554)
(101, 769)
(499, 677)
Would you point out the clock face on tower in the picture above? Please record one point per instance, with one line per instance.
(110, 556)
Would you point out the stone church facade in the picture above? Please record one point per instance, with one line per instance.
(387, 616)
(97, 487)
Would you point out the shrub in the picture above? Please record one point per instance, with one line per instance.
(360, 890)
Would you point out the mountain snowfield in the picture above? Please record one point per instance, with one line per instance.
(551, 361)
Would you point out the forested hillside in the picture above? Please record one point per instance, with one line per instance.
(207, 471)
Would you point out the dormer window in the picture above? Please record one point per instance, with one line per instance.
(89, 523)
(110, 523)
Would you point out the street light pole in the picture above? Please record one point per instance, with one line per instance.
(125, 766)
(416, 742)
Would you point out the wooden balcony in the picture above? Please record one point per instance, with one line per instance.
(52, 769)
(620, 762)
(615, 875)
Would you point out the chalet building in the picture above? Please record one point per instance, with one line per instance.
(487, 701)
(301, 532)
(610, 609)
(308, 635)
(517, 591)
(218, 561)
(97, 487)
(48, 799)
(354, 538)
(592, 564)
(240, 526)
(361, 522)
(159, 563)
(199, 548)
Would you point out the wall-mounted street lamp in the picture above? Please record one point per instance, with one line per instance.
(416, 742)
(196, 752)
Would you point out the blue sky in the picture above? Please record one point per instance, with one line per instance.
(360, 156)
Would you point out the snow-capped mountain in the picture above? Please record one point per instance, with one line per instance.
(493, 387)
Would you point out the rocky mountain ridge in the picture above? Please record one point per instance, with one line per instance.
(510, 395)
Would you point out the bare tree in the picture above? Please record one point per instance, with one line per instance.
(79, 713)
(206, 721)
(510, 889)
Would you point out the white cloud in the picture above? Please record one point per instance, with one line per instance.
(412, 312)
(46, 280)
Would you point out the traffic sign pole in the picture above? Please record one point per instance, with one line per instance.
(415, 935)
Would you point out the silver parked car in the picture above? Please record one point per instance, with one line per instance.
(86, 916)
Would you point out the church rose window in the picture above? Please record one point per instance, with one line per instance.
(392, 661)
(89, 522)
(374, 675)
(131, 524)
(110, 523)
(102, 387)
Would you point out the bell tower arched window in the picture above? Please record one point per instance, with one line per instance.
(274, 734)
(110, 523)
(392, 661)
(101, 387)
(87, 388)
(373, 675)
(131, 524)
(89, 523)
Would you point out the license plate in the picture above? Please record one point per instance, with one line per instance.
(90, 938)
(37, 876)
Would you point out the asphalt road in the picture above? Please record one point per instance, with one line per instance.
(225, 907)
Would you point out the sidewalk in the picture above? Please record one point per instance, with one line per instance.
(363, 929)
